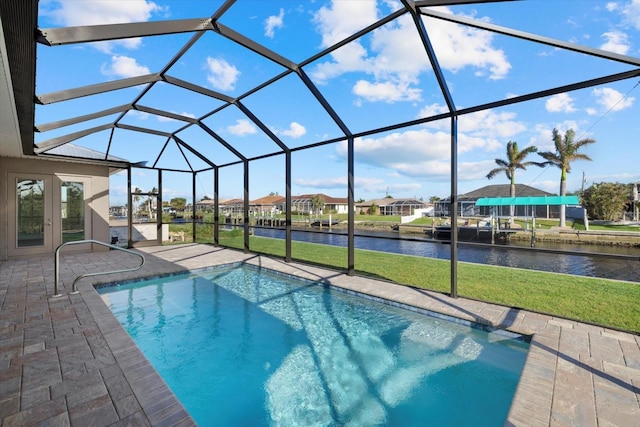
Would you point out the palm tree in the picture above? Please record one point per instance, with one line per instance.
(515, 160)
(317, 203)
(566, 152)
(136, 198)
(152, 194)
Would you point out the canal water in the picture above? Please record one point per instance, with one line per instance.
(593, 261)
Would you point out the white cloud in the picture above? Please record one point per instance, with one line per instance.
(388, 92)
(631, 12)
(425, 152)
(611, 99)
(615, 177)
(458, 47)
(566, 125)
(560, 103)
(479, 129)
(191, 115)
(617, 42)
(542, 138)
(296, 130)
(349, 58)
(432, 110)
(415, 153)
(343, 18)
(273, 22)
(611, 6)
(362, 183)
(377, 186)
(140, 115)
(550, 185)
(242, 127)
(490, 124)
(123, 66)
(71, 13)
(328, 182)
(78, 13)
(221, 75)
(396, 58)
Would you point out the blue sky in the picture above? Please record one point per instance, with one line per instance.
(380, 79)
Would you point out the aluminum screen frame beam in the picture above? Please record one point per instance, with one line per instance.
(194, 151)
(531, 37)
(444, 88)
(453, 291)
(79, 119)
(431, 54)
(221, 140)
(79, 92)
(61, 140)
(167, 114)
(143, 130)
(197, 89)
(97, 33)
(351, 228)
(261, 50)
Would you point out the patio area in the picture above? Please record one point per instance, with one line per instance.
(67, 360)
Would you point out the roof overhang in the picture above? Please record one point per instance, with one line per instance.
(18, 22)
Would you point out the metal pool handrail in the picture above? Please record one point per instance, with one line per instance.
(97, 242)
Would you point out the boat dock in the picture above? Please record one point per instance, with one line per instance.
(470, 233)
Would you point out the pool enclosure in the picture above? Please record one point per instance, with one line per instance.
(103, 124)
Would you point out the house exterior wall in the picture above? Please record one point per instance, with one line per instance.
(337, 207)
(98, 198)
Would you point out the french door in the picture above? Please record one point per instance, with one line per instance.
(48, 210)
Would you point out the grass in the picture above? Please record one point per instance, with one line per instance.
(593, 300)
(613, 227)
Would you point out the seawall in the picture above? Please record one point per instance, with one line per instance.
(581, 237)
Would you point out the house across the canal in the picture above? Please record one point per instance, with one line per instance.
(467, 203)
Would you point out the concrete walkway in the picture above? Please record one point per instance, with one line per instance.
(67, 361)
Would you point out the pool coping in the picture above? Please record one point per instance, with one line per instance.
(390, 302)
(575, 373)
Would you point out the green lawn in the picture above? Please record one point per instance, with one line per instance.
(601, 301)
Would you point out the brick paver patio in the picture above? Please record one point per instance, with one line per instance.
(67, 361)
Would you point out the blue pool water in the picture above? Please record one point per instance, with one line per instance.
(241, 346)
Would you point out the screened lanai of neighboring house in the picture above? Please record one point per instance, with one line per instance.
(401, 207)
(233, 126)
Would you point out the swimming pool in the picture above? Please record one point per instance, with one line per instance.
(245, 346)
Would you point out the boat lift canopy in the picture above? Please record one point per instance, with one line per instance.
(528, 201)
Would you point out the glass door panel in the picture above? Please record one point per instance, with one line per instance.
(72, 202)
(30, 223)
(30, 201)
